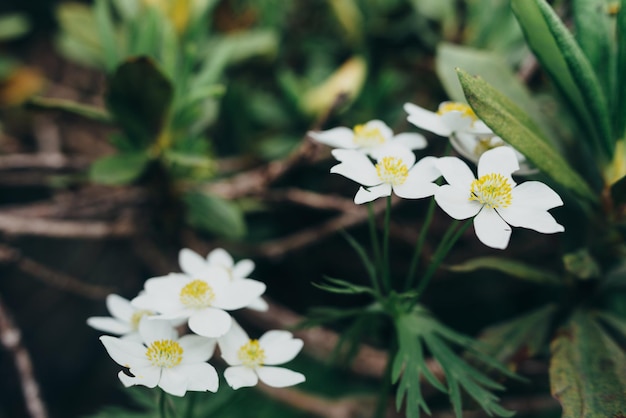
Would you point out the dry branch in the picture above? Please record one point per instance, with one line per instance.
(19, 226)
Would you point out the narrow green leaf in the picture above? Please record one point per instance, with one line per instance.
(365, 259)
(588, 370)
(568, 67)
(515, 127)
(106, 31)
(620, 89)
(13, 25)
(514, 268)
(68, 106)
(77, 39)
(139, 98)
(342, 287)
(214, 215)
(119, 168)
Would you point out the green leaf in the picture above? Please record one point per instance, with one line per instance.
(581, 264)
(106, 32)
(515, 127)
(520, 338)
(568, 67)
(13, 25)
(69, 106)
(119, 168)
(514, 268)
(620, 90)
(77, 39)
(588, 370)
(365, 258)
(215, 215)
(343, 287)
(139, 98)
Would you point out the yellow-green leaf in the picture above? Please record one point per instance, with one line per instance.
(513, 268)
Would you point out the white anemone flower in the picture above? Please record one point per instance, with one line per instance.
(124, 319)
(193, 264)
(367, 137)
(451, 118)
(175, 365)
(203, 299)
(494, 200)
(253, 360)
(395, 170)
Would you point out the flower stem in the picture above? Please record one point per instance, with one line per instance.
(191, 403)
(449, 239)
(385, 385)
(419, 245)
(386, 266)
(162, 404)
(374, 237)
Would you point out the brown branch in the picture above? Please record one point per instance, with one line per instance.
(19, 226)
(313, 200)
(11, 339)
(51, 277)
(47, 161)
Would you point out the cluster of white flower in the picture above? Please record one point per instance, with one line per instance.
(148, 344)
(383, 163)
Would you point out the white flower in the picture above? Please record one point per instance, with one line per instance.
(193, 264)
(450, 118)
(367, 137)
(395, 170)
(494, 198)
(202, 298)
(175, 365)
(124, 319)
(251, 360)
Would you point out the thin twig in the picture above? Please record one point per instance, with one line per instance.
(11, 339)
(313, 200)
(51, 277)
(46, 161)
(18, 226)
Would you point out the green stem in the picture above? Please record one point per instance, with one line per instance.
(419, 245)
(386, 266)
(162, 404)
(191, 403)
(69, 106)
(449, 239)
(374, 237)
(385, 386)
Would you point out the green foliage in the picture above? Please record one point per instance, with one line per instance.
(215, 215)
(120, 168)
(513, 268)
(418, 330)
(588, 370)
(620, 88)
(13, 26)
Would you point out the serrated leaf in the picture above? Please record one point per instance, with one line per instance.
(139, 98)
(120, 168)
(215, 215)
(588, 370)
(520, 338)
(568, 67)
(513, 268)
(514, 126)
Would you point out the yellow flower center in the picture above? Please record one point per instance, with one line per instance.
(464, 109)
(251, 354)
(197, 294)
(485, 144)
(392, 170)
(165, 353)
(367, 137)
(492, 190)
(134, 320)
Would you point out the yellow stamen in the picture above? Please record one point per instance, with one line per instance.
(165, 353)
(197, 294)
(367, 137)
(251, 354)
(392, 170)
(464, 109)
(492, 190)
(485, 144)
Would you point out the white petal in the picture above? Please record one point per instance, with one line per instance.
(455, 202)
(240, 376)
(456, 172)
(210, 322)
(125, 353)
(147, 376)
(111, 325)
(411, 140)
(119, 307)
(426, 168)
(281, 352)
(534, 194)
(491, 230)
(395, 150)
(415, 188)
(367, 195)
(479, 128)
(279, 377)
(191, 263)
(154, 329)
(340, 137)
(243, 269)
(258, 304)
(456, 121)
(201, 377)
(382, 127)
(239, 294)
(356, 166)
(161, 303)
(196, 349)
(426, 119)
(221, 258)
(500, 160)
(231, 342)
(173, 382)
(536, 219)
